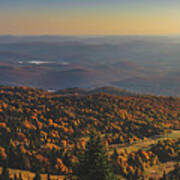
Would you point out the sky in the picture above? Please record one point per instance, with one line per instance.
(90, 17)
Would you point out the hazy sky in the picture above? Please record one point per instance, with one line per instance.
(89, 17)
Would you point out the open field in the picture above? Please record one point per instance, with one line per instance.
(27, 175)
(145, 144)
(157, 171)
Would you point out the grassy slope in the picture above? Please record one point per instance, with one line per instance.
(157, 171)
(27, 175)
(145, 144)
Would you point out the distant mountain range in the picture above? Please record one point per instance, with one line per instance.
(141, 64)
(87, 92)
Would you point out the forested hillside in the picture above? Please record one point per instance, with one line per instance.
(44, 131)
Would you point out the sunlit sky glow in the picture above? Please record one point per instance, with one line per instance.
(89, 17)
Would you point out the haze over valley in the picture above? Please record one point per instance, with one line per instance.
(142, 64)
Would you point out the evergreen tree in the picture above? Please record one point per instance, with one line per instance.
(5, 174)
(48, 177)
(93, 162)
(165, 177)
(20, 176)
(15, 177)
(37, 176)
(176, 171)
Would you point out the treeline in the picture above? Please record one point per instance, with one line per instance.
(132, 165)
(172, 175)
(5, 175)
(44, 131)
(167, 150)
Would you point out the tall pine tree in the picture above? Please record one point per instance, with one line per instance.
(93, 162)
(37, 176)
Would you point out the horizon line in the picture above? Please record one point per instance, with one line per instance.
(86, 35)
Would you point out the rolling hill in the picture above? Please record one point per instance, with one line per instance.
(45, 130)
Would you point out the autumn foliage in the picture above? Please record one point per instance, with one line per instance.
(42, 130)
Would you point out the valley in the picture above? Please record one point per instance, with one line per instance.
(141, 64)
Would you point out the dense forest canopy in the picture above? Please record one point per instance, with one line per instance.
(45, 130)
